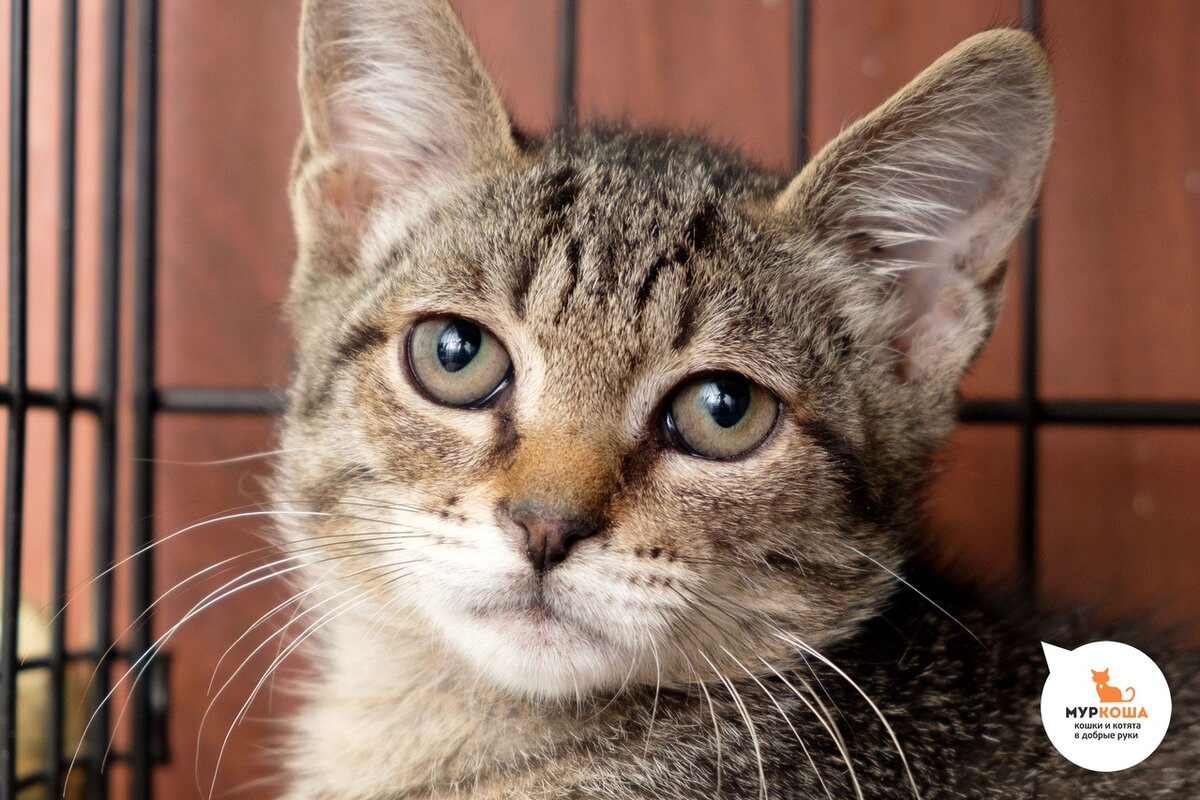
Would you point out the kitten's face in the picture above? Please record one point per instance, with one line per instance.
(1100, 677)
(616, 408)
(624, 298)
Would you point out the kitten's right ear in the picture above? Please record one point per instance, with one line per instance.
(395, 102)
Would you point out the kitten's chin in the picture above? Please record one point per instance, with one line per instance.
(537, 651)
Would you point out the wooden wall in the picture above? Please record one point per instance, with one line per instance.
(1119, 516)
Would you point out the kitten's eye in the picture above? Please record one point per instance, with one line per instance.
(457, 362)
(721, 415)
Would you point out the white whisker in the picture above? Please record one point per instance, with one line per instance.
(828, 723)
(878, 713)
(927, 598)
(787, 720)
(741, 706)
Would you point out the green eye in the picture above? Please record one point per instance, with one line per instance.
(720, 415)
(457, 362)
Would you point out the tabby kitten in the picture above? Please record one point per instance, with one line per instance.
(609, 445)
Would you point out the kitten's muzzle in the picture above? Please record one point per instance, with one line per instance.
(549, 533)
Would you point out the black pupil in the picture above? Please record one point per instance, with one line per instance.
(458, 344)
(727, 398)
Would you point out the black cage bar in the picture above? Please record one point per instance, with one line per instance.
(14, 483)
(65, 379)
(146, 736)
(107, 377)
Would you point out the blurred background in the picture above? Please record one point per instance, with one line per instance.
(1114, 508)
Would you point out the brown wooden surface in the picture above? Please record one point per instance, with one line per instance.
(1120, 514)
(226, 142)
(1120, 271)
(711, 66)
(1122, 202)
(519, 41)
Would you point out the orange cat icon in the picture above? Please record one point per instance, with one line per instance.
(1109, 694)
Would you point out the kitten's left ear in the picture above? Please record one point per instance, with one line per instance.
(925, 195)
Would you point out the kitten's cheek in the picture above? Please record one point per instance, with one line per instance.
(467, 568)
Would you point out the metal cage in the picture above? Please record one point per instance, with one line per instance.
(127, 398)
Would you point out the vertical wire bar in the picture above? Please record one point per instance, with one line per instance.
(106, 380)
(14, 483)
(1028, 400)
(800, 64)
(142, 483)
(63, 401)
(568, 27)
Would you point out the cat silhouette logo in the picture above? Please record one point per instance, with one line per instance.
(1110, 694)
(1096, 723)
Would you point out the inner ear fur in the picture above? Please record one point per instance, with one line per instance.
(396, 105)
(920, 200)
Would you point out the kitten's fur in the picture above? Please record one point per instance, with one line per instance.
(705, 642)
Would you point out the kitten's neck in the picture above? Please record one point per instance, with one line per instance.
(411, 716)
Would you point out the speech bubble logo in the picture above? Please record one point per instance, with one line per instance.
(1105, 706)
